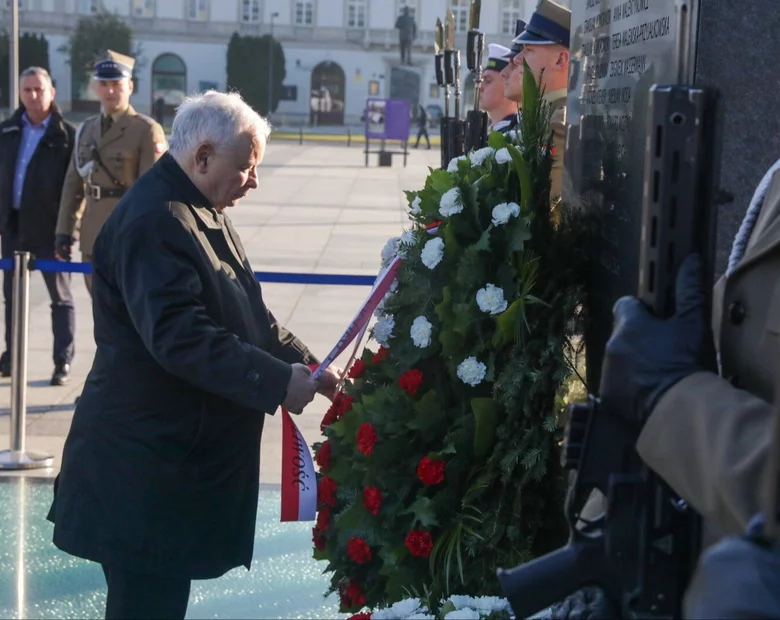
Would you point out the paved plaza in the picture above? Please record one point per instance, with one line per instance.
(318, 210)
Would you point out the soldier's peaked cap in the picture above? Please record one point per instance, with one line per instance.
(516, 47)
(550, 25)
(496, 57)
(114, 66)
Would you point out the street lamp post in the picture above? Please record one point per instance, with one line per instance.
(13, 73)
(271, 64)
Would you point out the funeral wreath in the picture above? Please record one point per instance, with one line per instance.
(441, 459)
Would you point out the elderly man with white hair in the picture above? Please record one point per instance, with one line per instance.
(159, 477)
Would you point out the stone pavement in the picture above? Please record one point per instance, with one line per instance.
(318, 209)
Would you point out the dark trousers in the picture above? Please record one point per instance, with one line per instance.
(135, 596)
(63, 314)
(406, 53)
(422, 130)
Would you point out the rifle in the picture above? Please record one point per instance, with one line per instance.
(642, 551)
(476, 119)
(447, 64)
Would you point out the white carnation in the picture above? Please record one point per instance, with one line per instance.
(502, 212)
(460, 601)
(383, 330)
(479, 156)
(399, 611)
(453, 165)
(421, 332)
(420, 616)
(405, 242)
(415, 207)
(514, 135)
(390, 251)
(471, 371)
(503, 156)
(463, 614)
(433, 252)
(489, 604)
(491, 299)
(451, 202)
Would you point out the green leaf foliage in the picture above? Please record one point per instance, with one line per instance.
(465, 463)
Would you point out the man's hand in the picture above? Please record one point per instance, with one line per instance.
(63, 245)
(645, 356)
(328, 382)
(300, 389)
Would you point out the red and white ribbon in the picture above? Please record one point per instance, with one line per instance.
(299, 480)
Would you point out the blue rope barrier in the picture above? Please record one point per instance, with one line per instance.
(7, 264)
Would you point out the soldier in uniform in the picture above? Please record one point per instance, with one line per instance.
(512, 73)
(545, 42)
(111, 151)
(501, 111)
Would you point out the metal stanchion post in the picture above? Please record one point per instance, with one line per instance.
(17, 457)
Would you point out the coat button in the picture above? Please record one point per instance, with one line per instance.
(736, 312)
(252, 376)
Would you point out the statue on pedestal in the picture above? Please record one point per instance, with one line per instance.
(407, 33)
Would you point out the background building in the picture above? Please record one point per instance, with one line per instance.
(338, 52)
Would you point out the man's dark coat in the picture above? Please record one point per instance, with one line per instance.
(160, 469)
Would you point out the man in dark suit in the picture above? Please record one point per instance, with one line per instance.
(35, 148)
(160, 470)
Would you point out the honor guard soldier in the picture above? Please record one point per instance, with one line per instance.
(513, 72)
(502, 111)
(545, 42)
(111, 151)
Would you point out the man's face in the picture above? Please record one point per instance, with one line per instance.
(228, 175)
(491, 91)
(37, 95)
(114, 95)
(551, 58)
(513, 80)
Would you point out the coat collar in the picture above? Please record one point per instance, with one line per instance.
(766, 234)
(55, 128)
(120, 124)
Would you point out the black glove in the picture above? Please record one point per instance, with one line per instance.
(62, 246)
(645, 356)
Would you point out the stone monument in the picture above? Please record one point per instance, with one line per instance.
(619, 49)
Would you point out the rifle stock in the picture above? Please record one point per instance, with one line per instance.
(645, 548)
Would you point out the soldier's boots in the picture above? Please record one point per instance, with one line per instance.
(61, 374)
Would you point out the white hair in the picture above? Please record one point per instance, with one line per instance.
(214, 118)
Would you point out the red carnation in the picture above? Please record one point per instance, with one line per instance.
(366, 438)
(411, 381)
(323, 456)
(323, 516)
(430, 472)
(358, 551)
(372, 500)
(331, 416)
(326, 491)
(318, 538)
(352, 595)
(357, 370)
(419, 543)
(345, 404)
(363, 615)
(381, 355)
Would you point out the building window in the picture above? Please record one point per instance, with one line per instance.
(304, 13)
(460, 9)
(356, 14)
(198, 10)
(250, 11)
(143, 8)
(89, 7)
(411, 4)
(511, 11)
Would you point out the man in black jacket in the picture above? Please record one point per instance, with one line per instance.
(160, 470)
(35, 148)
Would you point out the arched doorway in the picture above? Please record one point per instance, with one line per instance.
(169, 82)
(328, 87)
